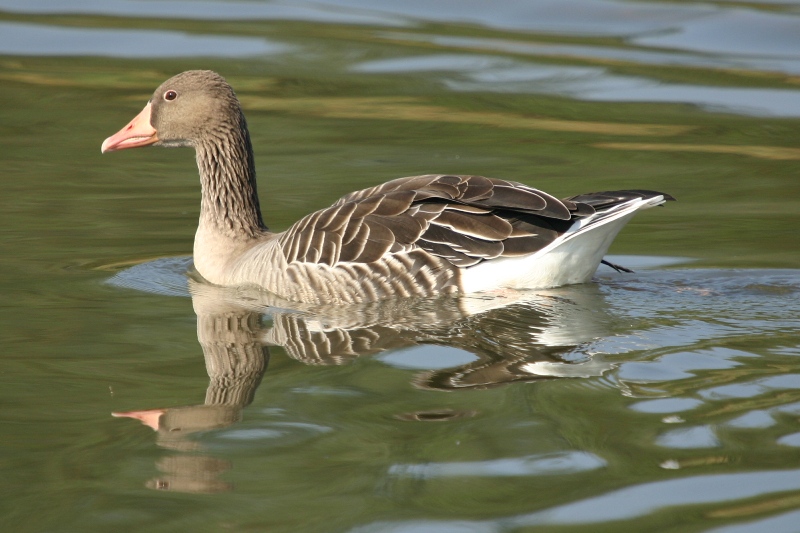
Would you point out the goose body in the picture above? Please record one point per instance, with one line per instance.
(420, 235)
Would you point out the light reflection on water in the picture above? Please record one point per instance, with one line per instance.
(734, 32)
(657, 400)
(705, 36)
(39, 40)
(789, 64)
(537, 465)
(621, 505)
(201, 10)
(486, 73)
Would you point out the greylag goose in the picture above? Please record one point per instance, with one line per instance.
(420, 235)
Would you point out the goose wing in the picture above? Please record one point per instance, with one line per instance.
(463, 219)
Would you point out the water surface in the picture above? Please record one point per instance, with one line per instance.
(663, 400)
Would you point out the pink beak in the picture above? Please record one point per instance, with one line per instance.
(138, 132)
(148, 418)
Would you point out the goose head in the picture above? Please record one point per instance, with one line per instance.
(186, 110)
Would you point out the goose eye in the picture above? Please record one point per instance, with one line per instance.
(170, 95)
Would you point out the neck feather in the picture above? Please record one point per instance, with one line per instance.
(229, 201)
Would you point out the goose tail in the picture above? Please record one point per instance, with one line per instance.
(575, 255)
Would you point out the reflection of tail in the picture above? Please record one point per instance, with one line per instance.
(492, 371)
(485, 373)
(528, 341)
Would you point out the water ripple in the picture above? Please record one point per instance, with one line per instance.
(679, 365)
(623, 504)
(743, 32)
(783, 523)
(753, 388)
(687, 438)
(204, 10)
(488, 73)
(753, 420)
(532, 465)
(39, 40)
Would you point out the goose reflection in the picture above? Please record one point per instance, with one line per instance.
(508, 336)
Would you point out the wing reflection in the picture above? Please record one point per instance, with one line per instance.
(513, 336)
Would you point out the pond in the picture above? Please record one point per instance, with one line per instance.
(138, 398)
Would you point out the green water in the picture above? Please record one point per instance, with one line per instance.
(665, 400)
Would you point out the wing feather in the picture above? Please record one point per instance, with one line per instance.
(462, 219)
(463, 243)
(487, 226)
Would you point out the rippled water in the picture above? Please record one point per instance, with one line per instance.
(663, 400)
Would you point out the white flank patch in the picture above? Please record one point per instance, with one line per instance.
(571, 259)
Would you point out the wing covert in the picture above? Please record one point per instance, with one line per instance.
(464, 219)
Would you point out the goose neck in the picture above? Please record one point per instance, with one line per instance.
(229, 201)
